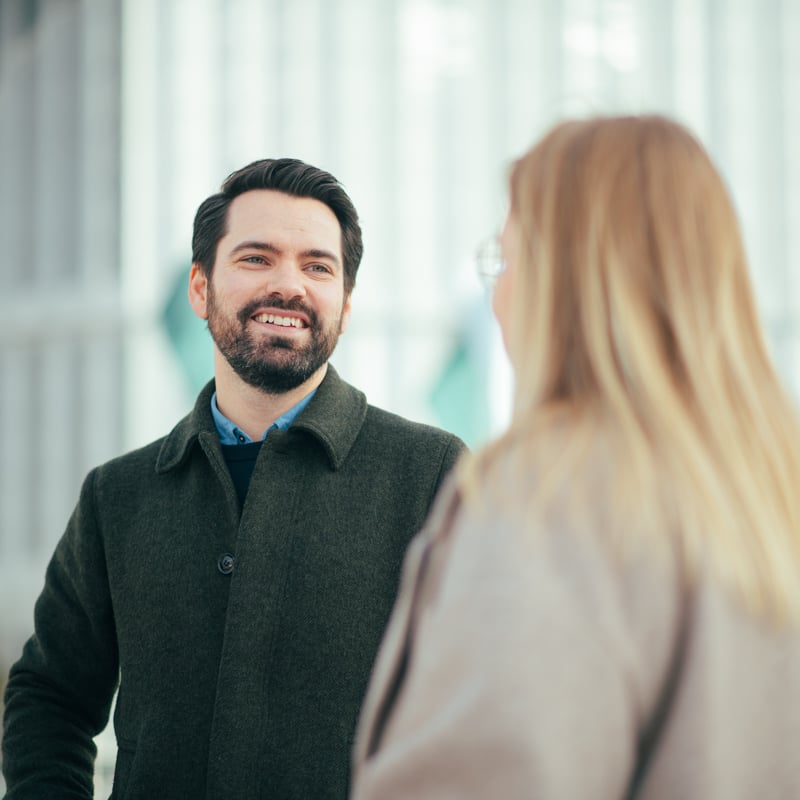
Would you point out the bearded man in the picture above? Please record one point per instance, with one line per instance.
(233, 579)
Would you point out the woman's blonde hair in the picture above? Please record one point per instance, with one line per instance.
(632, 314)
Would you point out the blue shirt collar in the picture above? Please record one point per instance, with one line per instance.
(230, 434)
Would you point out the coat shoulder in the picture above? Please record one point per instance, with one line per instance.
(424, 440)
(134, 461)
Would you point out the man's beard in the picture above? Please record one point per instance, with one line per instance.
(272, 363)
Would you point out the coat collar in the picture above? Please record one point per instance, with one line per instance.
(334, 417)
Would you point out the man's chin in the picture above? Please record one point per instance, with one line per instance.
(276, 377)
(278, 343)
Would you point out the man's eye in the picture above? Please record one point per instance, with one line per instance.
(254, 259)
(324, 268)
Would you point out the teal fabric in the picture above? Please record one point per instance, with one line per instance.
(239, 685)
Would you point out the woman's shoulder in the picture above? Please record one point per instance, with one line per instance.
(559, 544)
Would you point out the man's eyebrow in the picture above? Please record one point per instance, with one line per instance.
(256, 245)
(326, 254)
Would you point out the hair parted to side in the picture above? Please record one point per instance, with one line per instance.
(290, 176)
(633, 316)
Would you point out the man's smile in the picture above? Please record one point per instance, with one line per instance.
(283, 321)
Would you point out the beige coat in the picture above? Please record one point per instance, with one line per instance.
(527, 663)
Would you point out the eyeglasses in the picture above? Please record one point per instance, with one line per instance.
(489, 261)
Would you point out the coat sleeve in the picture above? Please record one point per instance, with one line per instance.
(59, 693)
(520, 676)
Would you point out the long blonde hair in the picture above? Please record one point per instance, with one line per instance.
(632, 313)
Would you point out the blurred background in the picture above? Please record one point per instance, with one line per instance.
(118, 117)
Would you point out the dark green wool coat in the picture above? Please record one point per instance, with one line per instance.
(238, 685)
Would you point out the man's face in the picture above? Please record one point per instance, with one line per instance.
(275, 303)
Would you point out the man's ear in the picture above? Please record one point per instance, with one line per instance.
(198, 291)
(345, 314)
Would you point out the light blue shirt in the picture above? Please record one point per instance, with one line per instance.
(230, 434)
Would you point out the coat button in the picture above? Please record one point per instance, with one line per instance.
(225, 564)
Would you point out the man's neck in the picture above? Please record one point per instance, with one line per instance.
(254, 410)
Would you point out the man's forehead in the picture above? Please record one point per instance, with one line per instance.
(269, 215)
(268, 206)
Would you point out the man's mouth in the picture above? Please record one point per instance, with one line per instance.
(282, 321)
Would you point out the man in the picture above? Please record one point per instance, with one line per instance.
(235, 576)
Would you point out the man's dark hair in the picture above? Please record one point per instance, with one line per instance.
(293, 177)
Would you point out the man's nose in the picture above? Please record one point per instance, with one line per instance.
(285, 280)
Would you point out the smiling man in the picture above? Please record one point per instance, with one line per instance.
(233, 579)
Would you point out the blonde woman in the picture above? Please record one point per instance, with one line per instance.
(605, 602)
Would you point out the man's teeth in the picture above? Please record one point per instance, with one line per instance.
(286, 322)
